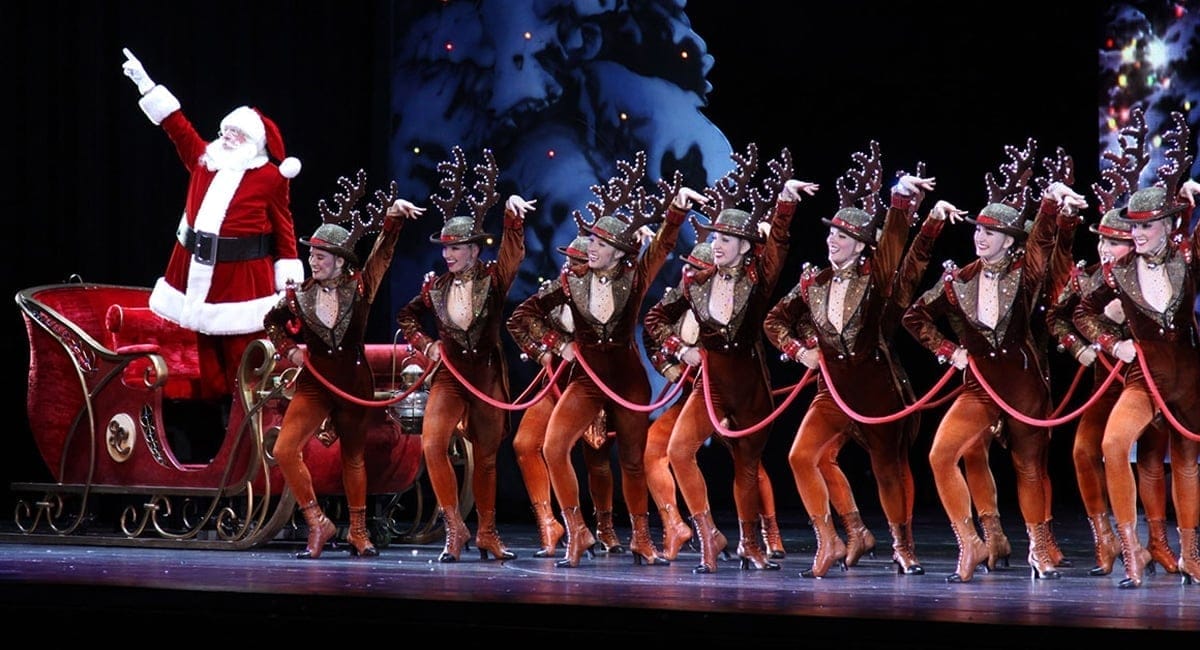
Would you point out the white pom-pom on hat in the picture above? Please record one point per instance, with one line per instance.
(289, 167)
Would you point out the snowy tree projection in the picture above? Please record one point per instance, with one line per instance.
(560, 91)
(1150, 56)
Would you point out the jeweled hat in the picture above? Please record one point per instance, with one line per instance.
(1113, 226)
(577, 249)
(854, 222)
(701, 256)
(334, 239)
(1151, 204)
(1002, 218)
(616, 232)
(462, 230)
(736, 222)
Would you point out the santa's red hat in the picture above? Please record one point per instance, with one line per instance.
(262, 129)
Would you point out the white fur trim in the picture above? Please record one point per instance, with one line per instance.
(286, 269)
(248, 120)
(289, 167)
(208, 219)
(220, 319)
(158, 104)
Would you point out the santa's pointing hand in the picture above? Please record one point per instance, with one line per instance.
(135, 71)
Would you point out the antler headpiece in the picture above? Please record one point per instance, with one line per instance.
(332, 235)
(858, 196)
(459, 229)
(1159, 201)
(737, 188)
(1121, 176)
(626, 205)
(1008, 196)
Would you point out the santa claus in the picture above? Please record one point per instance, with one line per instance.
(235, 246)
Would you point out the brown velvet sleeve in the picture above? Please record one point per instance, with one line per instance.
(662, 320)
(380, 258)
(512, 249)
(885, 261)
(789, 320)
(1059, 315)
(1037, 251)
(916, 262)
(1089, 316)
(531, 326)
(652, 260)
(778, 243)
(920, 319)
(408, 321)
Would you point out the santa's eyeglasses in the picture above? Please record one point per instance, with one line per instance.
(233, 133)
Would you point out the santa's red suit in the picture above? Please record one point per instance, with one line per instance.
(235, 246)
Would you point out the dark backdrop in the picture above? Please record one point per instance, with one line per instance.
(93, 189)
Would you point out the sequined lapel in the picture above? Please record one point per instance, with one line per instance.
(581, 295)
(1126, 276)
(967, 293)
(440, 292)
(308, 311)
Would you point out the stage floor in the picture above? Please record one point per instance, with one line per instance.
(70, 589)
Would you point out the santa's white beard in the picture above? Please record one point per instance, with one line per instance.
(245, 156)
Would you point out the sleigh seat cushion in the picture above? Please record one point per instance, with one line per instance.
(134, 330)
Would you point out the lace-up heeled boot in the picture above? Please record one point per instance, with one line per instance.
(830, 548)
(1053, 551)
(972, 552)
(1041, 562)
(998, 547)
(320, 530)
(606, 534)
(903, 552)
(358, 537)
(487, 540)
(550, 532)
(1135, 558)
(1159, 548)
(579, 539)
(457, 535)
(676, 532)
(1189, 556)
(859, 539)
(642, 546)
(1106, 544)
(772, 538)
(703, 524)
(749, 550)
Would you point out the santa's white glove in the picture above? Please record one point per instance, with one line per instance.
(1125, 351)
(1114, 312)
(1086, 356)
(134, 70)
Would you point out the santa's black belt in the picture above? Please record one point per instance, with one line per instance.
(209, 249)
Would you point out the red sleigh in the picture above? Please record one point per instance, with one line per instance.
(113, 391)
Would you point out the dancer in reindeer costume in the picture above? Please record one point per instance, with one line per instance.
(465, 305)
